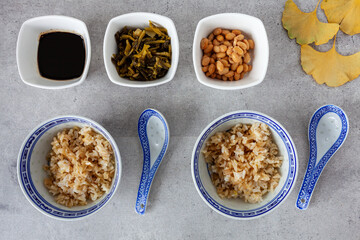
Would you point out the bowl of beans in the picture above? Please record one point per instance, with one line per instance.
(230, 51)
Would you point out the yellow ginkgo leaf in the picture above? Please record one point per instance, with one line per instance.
(330, 67)
(344, 12)
(306, 27)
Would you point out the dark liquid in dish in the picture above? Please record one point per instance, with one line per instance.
(61, 55)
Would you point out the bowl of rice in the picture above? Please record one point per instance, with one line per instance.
(244, 164)
(69, 167)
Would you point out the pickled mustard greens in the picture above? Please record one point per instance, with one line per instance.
(143, 54)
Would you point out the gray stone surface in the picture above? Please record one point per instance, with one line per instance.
(175, 209)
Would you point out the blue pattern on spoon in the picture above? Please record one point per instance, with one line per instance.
(154, 138)
(328, 129)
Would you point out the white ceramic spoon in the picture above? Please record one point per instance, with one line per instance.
(154, 138)
(328, 129)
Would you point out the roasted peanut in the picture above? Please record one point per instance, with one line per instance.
(229, 74)
(236, 76)
(239, 37)
(239, 69)
(207, 74)
(218, 76)
(229, 51)
(212, 60)
(227, 43)
(224, 78)
(225, 62)
(217, 31)
(230, 36)
(215, 42)
(251, 43)
(211, 37)
(246, 68)
(220, 55)
(205, 60)
(204, 43)
(224, 32)
(205, 69)
(224, 71)
(247, 44)
(219, 66)
(211, 68)
(242, 45)
(250, 68)
(235, 57)
(247, 58)
(238, 50)
(220, 38)
(242, 75)
(223, 48)
(236, 32)
(216, 49)
(234, 66)
(209, 48)
(213, 75)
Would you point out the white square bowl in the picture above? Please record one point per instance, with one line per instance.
(252, 28)
(140, 20)
(27, 49)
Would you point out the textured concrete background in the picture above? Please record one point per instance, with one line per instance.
(175, 210)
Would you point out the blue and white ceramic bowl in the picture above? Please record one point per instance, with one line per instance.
(237, 208)
(33, 156)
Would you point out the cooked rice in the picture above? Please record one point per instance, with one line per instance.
(81, 166)
(243, 162)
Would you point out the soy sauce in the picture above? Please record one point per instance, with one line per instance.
(61, 55)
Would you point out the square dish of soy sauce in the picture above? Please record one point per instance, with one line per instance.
(53, 52)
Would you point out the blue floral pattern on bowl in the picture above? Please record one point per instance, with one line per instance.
(29, 189)
(290, 178)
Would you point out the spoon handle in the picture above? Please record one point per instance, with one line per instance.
(314, 168)
(149, 167)
(143, 191)
(311, 177)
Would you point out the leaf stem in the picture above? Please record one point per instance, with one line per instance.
(334, 41)
(317, 5)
